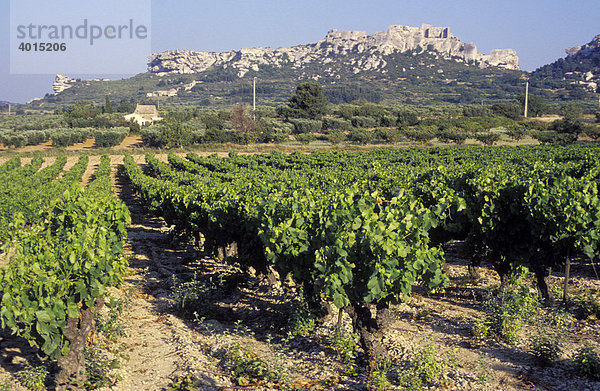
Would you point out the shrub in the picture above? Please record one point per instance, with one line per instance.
(419, 134)
(361, 136)
(391, 136)
(546, 346)
(364, 122)
(273, 131)
(552, 137)
(302, 125)
(219, 136)
(506, 310)
(196, 297)
(151, 136)
(487, 138)
(427, 367)
(388, 120)
(336, 123)
(305, 138)
(587, 305)
(67, 137)
(336, 137)
(407, 118)
(111, 137)
(516, 132)
(451, 135)
(587, 362)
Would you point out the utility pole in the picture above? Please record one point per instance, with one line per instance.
(254, 100)
(9, 109)
(526, 98)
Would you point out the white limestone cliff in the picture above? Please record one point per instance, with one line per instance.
(396, 38)
(61, 83)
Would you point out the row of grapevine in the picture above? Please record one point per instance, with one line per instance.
(362, 228)
(61, 260)
(28, 192)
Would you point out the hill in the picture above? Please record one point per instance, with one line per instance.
(415, 65)
(574, 76)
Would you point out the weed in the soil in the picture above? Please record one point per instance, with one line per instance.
(480, 330)
(377, 379)
(196, 296)
(345, 345)
(300, 320)
(185, 383)
(556, 292)
(506, 310)
(33, 378)
(518, 275)
(546, 345)
(100, 368)
(586, 305)
(5, 385)
(111, 325)
(246, 366)
(427, 367)
(423, 313)
(484, 372)
(561, 318)
(587, 362)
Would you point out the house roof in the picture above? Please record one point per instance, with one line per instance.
(146, 110)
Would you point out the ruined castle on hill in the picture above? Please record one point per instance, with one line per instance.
(337, 44)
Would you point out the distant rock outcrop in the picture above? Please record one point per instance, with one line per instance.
(591, 48)
(580, 67)
(372, 50)
(62, 82)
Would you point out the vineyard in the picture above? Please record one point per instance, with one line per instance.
(388, 269)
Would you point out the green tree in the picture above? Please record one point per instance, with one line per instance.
(308, 101)
(407, 118)
(175, 134)
(572, 124)
(125, 107)
(108, 107)
(508, 110)
(81, 114)
(571, 111)
(536, 105)
(242, 121)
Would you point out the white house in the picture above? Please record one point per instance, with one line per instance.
(144, 115)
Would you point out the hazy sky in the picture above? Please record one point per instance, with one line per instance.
(539, 30)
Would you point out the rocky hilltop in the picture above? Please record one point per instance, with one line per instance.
(580, 67)
(372, 49)
(61, 83)
(591, 48)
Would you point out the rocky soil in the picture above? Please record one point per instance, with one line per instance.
(238, 324)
